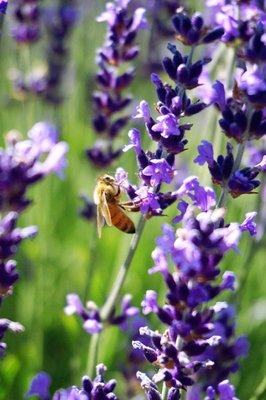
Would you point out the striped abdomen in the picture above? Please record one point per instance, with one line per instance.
(120, 220)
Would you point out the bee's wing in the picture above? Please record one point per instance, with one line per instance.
(103, 213)
(100, 221)
(105, 210)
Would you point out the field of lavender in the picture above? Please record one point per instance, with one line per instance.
(168, 98)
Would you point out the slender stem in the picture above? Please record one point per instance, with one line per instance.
(223, 198)
(190, 56)
(183, 395)
(115, 291)
(164, 392)
(1, 23)
(245, 271)
(113, 296)
(92, 261)
(230, 71)
(239, 156)
(260, 391)
(93, 354)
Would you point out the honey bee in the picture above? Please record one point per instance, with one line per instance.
(109, 208)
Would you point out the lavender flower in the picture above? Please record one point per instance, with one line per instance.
(7, 325)
(237, 19)
(26, 15)
(192, 31)
(3, 6)
(97, 389)
(197, 335)
(47, 84)
(119, 49)
(22, 164)
(60, 21)
(40, 386)
(92, 321)
(168, 131)
(222, 170)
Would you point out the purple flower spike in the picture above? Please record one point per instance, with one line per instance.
(109, 100)
(25, 162)
(98, 388)
(26, 17)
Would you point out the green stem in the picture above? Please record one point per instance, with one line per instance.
(190, 56)
(260, 391)
(239, 156)
(113, 296)
(92, 261)
(230, 70)
(115, 291)
(93, 354)
(164, 392)
(1, 23)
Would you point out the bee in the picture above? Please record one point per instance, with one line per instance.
(107, 196)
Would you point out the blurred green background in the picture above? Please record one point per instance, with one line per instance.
(67, 257)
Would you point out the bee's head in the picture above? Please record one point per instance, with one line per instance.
(106, 179)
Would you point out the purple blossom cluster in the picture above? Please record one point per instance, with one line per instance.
(223, 173)
(168, 131)
(22, 164)
(242, 112)
(109, 100)
(59, 21)
(3, 7)
(91, 317)
(199, 344)
(26, 15)
(96, 389)
(237, 18)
